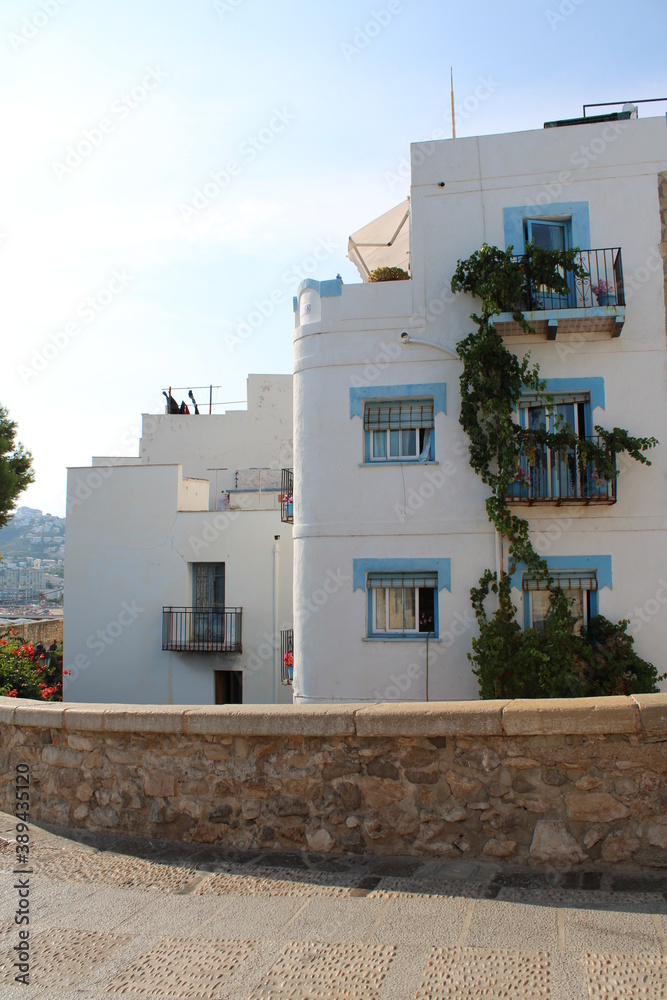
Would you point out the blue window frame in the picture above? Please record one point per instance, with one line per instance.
(590, 573)
(398, 421)
(402, 595)
(399, 430)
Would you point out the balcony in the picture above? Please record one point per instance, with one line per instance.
(560, 477)
(594, 304)
(287, 496)
(202, 630)
(287, 655)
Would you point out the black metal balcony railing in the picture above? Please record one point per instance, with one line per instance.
(603, 286)
(202, 630)
(560, 476)
(287, 496)
(287, 655)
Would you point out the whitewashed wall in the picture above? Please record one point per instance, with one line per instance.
(344, 511)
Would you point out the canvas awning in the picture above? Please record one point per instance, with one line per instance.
(385, 242)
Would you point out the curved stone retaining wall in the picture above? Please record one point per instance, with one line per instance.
(548, 781)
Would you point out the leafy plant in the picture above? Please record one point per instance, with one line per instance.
(389, 274)
(27, 672)
(506, 660)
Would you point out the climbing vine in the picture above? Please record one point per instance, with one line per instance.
(492, 384)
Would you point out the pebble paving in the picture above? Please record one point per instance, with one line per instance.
(169, 921)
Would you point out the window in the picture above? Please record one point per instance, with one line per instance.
(402, 604)
(400, 430)
(579, 586)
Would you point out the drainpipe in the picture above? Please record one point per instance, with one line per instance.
(276, 636)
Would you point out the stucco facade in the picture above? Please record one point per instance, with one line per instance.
(423, 517)
(137, 528)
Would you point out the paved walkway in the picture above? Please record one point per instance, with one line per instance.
(119, 918)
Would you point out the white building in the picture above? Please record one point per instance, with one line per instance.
(178, 569)
(391, 528)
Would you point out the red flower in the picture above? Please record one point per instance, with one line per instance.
(3, 642)
(12, 694)
(66, 673)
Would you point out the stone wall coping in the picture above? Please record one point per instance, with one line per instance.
(635, 714)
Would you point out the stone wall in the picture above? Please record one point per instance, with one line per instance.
(547, 781)
(46, 631)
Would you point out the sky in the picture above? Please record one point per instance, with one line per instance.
(171, 170)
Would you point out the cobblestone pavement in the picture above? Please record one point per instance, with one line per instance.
(110, 917)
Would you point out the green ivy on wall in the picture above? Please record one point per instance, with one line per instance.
(507, 660)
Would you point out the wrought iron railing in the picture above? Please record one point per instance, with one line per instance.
(603, 285)
(202, 630)
(560, 476)
(287, 496)
(287, 655)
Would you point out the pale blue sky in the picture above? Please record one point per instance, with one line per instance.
(316, 126)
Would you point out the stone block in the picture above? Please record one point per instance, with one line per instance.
(271, 720)
(619, 846)
(320, 841)
(86, 718)
(431, 718)
(159, 785)
(652, 712)
(7, 709)
(47, 715)
(499, 848)
(595, 807)
(144, 719)
(461, 787)
(62, 757)
(586, 716)
(553, 844)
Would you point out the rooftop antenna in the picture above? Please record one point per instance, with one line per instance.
(451, 90)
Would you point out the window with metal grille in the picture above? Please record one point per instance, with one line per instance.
(399, 430)
(402, 603)
(580, 588)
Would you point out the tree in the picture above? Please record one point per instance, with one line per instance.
(15, 467)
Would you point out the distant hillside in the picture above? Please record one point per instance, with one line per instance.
(32, 533)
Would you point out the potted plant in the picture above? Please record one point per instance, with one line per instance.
(605, 293)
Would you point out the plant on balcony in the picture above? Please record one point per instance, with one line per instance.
(389, 274)
(604, 293)
(492, 383)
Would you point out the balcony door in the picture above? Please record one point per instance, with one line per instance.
(551, 236)
(557, 474)
(208, 601)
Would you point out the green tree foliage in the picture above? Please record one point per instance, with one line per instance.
(15, 467)
(507, 661)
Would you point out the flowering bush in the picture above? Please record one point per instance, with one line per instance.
(26, 672)
(602, 289)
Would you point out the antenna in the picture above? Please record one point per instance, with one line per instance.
(451, 86)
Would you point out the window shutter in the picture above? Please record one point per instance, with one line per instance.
(566, 580)
(378, 581)
(399, 415)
